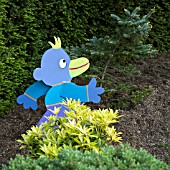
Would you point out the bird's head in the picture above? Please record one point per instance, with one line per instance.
(56, 66)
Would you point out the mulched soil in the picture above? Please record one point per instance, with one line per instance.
(146, 125)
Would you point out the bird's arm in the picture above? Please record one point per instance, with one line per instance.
(71, 90)
(32, 93)
(88, 93)
(37, 90)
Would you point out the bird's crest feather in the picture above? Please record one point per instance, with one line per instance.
(57, 44)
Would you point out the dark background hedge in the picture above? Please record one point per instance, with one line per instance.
(27, 25)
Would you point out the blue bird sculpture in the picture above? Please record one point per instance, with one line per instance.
(54, 81)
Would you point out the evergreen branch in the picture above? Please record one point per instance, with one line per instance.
(107, 64)
(105, 69)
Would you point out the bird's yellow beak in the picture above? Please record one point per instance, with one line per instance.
(78, 66)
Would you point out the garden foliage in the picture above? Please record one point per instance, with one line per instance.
(26, 26)
(118, 53)
(122, 157)
(81, 128)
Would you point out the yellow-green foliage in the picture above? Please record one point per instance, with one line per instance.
(81, 128)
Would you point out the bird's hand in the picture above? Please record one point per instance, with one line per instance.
(27, 102)
(94, 91)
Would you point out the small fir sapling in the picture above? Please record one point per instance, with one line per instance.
(126, 43)
(118, 52)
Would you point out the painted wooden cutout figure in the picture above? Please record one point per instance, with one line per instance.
(54, 81)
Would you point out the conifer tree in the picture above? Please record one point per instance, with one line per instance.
(120, 50)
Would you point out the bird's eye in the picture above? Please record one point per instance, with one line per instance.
(62, 63)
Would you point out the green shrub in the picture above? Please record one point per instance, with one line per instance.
(122, 157)
(81, 128)
(126, 96)
(12, 75)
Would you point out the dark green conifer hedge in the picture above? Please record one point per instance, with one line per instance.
(27, 25)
